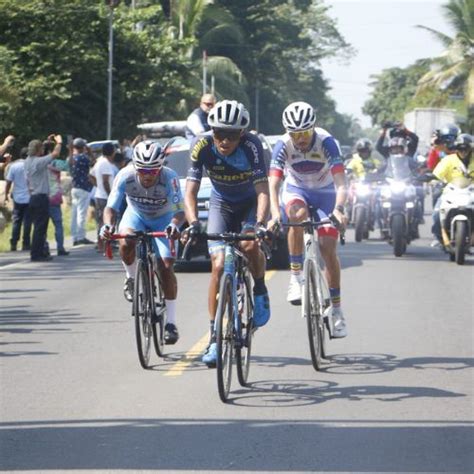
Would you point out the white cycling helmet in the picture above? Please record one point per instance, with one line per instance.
(229, 114)
(148, 155)
(298, 116)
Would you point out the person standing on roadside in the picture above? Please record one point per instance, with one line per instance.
(36, 169)
(103, 173)
(196, 123)
(79, 165)
(21, 199)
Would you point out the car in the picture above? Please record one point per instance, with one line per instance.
(178, 160)
(96, 146)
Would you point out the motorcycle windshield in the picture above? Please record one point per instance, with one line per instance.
(398, 167)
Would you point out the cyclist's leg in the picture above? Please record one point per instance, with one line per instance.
(257, 264)
(296, 209)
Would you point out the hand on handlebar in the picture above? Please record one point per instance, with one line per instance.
(106, 231)
(172, 231)
(191, 232)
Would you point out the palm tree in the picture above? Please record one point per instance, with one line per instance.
(455, 67)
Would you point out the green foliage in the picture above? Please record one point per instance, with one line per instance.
(393, 91)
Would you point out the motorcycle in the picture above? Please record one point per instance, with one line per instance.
(363, 206)
(401, 213)
(457, 217)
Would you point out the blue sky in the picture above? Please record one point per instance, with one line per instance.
(383, 33)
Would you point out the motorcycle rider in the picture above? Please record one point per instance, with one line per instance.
(364, 160)
(456, 165)
(394, 130)
(442, 144)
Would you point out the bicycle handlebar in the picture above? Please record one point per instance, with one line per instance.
(135, 236)
(315, 225)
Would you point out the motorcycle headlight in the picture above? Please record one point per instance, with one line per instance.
(363, 189)
(398, 187)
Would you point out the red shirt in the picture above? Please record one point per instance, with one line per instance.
(433, 159)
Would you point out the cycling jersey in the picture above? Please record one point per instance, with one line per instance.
(451, 167)
(312, 169)
(358, 168)
(233, 177)
(162, 198)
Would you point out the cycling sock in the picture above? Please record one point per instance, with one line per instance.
(296, 264)
(335, 297)
(171, 311)
(259, 287)
(130, 269)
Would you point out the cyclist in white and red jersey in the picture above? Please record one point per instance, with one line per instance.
(310, 160)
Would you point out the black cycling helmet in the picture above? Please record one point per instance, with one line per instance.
(464, 142)
(448, 134)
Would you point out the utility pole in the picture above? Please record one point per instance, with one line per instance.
(257, 106)
(204, 72)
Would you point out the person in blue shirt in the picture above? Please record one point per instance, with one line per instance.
(233, 160)
(154, 203)
(196, 123)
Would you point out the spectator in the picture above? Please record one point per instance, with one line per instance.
(5, 155)
(7, 144)
(103, 173)
(196, 123)
(21, 198)
(79, 165)
(36, 169)
(393, 130)
(119, 162)
(56, 198)
(127, 150)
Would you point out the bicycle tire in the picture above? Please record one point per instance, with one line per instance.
(224, 337)
(160, 312)
(311, 311)
(244, 352)
(142, 312)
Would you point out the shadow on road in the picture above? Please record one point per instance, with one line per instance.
(205, 445)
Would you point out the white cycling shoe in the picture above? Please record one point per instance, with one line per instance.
(337, 323)
(295, 289)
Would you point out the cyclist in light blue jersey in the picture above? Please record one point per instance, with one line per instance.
(154, 203)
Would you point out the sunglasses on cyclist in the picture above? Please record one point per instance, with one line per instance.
(302, 134)
(222, 134)
(149, 172)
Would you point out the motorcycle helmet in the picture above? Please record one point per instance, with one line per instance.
(447, 134)
(298, 116)
(363, 144)
(229, 114)
(148, 155)
(464, 142)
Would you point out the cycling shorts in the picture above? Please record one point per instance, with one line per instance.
(225, 216)
(322, 200)
(131, 220)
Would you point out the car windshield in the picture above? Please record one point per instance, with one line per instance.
(179, 162)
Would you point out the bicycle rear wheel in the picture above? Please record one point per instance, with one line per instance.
(224, 337)
(243, 352)
(160, 313)
(311, 311)
(143, 307)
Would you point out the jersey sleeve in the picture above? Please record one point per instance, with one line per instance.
(333, 155)
(441, 170)
(259, 168)
(117, 194)
(279, 155)
(196, 165)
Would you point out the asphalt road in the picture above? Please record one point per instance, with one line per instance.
(395, 396)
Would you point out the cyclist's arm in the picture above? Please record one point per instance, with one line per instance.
(341, 194)
(274, 185)
(190, 200)
(261, 188)
(110, 216)
(276, 175)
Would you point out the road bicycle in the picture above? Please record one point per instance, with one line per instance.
(233, 325)
(316, 299)
(148, 305)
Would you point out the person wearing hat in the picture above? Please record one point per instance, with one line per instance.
(103, 173)
(79, 165)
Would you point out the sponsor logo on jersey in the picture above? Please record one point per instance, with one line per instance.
(160, 202)
(197, 148)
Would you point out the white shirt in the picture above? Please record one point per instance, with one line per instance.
(16, 174)
(102, 168)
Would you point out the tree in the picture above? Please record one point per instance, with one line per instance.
(393, 90)
(454, 69)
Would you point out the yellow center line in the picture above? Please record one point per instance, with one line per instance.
(195, 352)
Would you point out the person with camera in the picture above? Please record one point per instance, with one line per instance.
(7, 144)
(396, 130)
(36, 169)
(16, 177)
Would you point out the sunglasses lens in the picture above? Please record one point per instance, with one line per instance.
(152, 172)
(303, 134)
(231, 135)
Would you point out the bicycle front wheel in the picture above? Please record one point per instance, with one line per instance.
(224, 337)
(311, 311)
(244, 350)
(142, 310)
